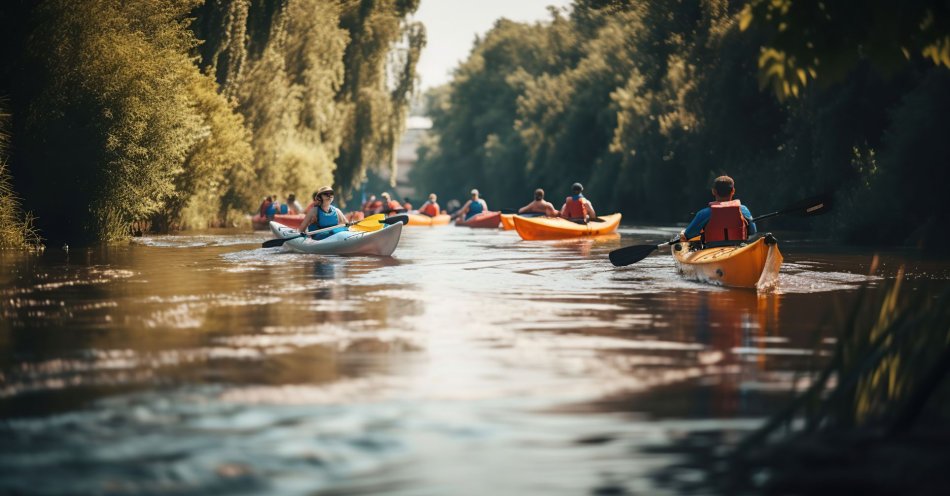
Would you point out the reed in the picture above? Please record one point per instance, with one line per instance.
(883, 390)
(16, 226)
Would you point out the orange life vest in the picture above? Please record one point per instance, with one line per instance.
(575, 208)
(375, 205)
(393, 205)
(726, 223)
(430, 209)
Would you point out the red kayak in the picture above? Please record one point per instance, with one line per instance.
(290, 220)
(484, 219)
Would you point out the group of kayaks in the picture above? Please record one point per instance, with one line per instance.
(749, 265)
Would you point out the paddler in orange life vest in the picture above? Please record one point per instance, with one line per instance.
(539, 205)
(725, 221)
(430, 207)
(323, 214)
(388, 204)
(472, 207)
(576, 207)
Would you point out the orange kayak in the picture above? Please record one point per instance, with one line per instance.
(484, 219)
(259, 222)
(507, 221)
(754, 265)
(425, 220)
(534, 228)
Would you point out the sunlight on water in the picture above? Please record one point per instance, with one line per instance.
(470, 362)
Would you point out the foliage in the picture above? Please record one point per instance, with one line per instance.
(827, 40)
(184, 113)
(16, 227)
(646, 102)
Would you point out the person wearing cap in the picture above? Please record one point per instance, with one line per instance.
(539, 205)
(388, 204)
(725, 221)
(430, 207)
(576, 207)
(291, 206)
(323, 214)
(472, 207)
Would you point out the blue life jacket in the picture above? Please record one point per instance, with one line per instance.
(474, 209)
(271, 210)
(284, 209)
(326, 219)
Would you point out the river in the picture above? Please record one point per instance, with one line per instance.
(469, 362)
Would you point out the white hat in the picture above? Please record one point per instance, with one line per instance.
(474, 191)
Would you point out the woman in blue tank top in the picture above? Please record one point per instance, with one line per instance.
(473, 207)
(323, 215)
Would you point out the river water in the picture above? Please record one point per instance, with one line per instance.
(469, 362)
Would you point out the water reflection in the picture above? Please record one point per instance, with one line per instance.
(203, 363)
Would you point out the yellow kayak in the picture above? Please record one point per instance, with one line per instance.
(534, 228)
(425, 220)
(754, 265)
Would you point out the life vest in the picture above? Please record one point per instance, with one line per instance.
(726, 223)
(429, 208)
(474, 209)
(324, 219)
(283, 208)
(264, 206)
(575, 207)
(393, 205)
(407, 206)
(376, 205)
(271, 210)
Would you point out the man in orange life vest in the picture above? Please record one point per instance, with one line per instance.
(430, 207)
(576, 207)
(725, 221)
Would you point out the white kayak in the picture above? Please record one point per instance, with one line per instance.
(381, 242)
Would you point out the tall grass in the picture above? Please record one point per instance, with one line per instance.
(886, 383)
(16, 226)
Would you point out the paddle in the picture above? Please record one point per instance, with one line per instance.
(367, 222)
(809, 207)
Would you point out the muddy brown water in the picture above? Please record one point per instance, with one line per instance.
(469, 362)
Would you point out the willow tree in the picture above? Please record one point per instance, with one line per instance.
(380, 61)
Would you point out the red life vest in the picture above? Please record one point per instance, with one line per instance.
(575, 208)
(376, 205)
(726, 223)
(407, 206)
(394, 205)
(430, 209)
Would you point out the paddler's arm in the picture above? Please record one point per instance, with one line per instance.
(748, 219)
(694, 227)
(590, 208)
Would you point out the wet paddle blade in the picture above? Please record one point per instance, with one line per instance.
(630, 254)
(271, 243)
(812, 206)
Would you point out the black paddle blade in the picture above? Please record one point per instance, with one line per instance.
(270, 243)
(508, 210)
(396, 219)
(816, 205)
(630, 254)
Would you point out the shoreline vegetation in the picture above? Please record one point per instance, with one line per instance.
(185, 114)
(645, 102)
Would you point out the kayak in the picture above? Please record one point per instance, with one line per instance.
(508, 223)
(260, 223)
(484, 219)
(425, 220)
(753, 265)
(534, 228)
(381, 242)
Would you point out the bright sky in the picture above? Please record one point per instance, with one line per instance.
(451, 27)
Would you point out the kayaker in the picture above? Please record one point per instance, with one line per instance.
(371, 205)
(472, 207)
(388, 204)
(291, 206)
(430, 207)
(265, 206)
(539, 205)
(725, 221)
(576, 207)
(323, 215)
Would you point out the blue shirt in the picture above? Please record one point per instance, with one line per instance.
(702, 218)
